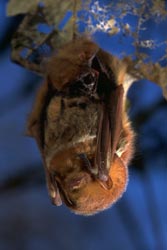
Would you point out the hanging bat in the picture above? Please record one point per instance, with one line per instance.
(81, 127)
(79, 119)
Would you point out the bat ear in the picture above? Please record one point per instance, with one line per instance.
(56, 199)
(53, 189)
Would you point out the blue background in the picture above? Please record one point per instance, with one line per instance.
(28, 221)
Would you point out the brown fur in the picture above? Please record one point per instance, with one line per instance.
(89, 196)
(70, 61)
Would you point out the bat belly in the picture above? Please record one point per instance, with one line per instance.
(69, 121)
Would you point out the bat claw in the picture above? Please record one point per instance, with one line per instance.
(107, 184)
(103, 177)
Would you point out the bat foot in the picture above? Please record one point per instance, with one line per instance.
(106, 184)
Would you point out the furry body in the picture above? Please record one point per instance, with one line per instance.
(66, 125)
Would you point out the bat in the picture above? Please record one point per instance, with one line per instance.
(78, 120)
(82, 129)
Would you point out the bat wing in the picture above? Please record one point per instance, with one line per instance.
(109, 132)
(110, 122)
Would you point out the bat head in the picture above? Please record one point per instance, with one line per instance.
(80, 190)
